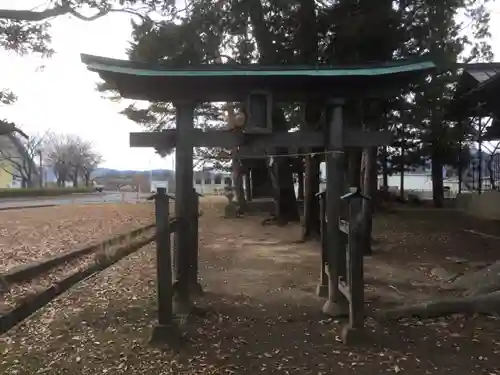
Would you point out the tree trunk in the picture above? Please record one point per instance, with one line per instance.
(483, 281)
(482, 304)
(261, 184)
(370, 190)
(287, 209)
(385, 171)
(300, 183)
(262, 33)
(238, 184)
(437, 176)
(402, 167)
(312, 222)
(248, 186)
(460, 167)
(286, 202)
(480, 156)
(308, 41)
(402, 182)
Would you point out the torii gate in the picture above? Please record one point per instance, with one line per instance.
(260, 87)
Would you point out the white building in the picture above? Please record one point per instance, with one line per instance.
(211, 182)
(418, 182)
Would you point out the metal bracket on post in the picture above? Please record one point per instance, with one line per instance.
(354, 192)
(352, 284)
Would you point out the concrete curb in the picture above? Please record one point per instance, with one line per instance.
(48, 197)
(27, 207)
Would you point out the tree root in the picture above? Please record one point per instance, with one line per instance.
(274, 220)
(483, 281)
(481, 295)
(483, 304)
(482, 290)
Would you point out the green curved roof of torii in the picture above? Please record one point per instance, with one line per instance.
(232, 82)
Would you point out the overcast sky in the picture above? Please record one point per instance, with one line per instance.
(62, 96)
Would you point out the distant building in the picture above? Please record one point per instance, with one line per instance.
(14, 153)
(211, 182)
(159, 184)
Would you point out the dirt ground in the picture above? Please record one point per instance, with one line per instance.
(263, 314)
(30, 234)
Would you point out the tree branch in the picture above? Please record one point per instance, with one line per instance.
(482, 304)
(32, 16)
(64, 8)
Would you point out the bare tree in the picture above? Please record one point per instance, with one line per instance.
(71, 158)
(57, 154)
(90, 163)
(79, 151)
(18, 155)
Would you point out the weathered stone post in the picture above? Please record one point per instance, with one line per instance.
(164, 329)
(352, 285)
(355, 262)
(336, 304)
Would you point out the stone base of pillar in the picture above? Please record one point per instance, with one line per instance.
(195, 289)
(335, 309)
(322, 290)
(353, 336)
(168, 335)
